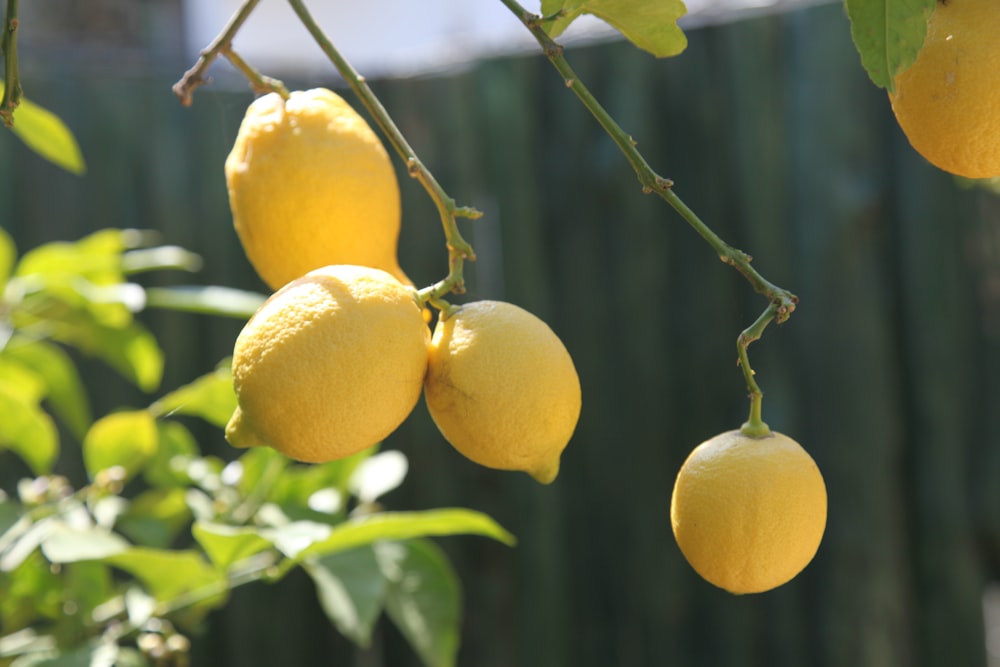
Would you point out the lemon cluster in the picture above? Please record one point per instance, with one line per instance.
(338, 356)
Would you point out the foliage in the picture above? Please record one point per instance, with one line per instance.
(114, 567)
(44, 132)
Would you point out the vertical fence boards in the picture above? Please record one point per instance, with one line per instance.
(889, 372)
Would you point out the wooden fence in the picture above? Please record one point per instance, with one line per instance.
(888, 373)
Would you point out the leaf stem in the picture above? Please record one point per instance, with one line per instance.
(12, 91)
(458, 249)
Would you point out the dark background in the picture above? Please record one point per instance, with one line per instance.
(888, 373)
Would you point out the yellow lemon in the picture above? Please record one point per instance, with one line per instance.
(310, 185)
(330, 364)
(748, 513)
(502, 388)
(948, 101)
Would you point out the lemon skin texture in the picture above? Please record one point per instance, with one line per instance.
(948, 101)
(502, 388)
(748, 513)
(310, 185)
(331, 364)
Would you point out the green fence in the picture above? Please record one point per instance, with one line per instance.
(888, 373)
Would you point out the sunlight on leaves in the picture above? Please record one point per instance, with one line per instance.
(27, 431)
(67, 545)
(225, 545)
(126, 439)
(378, 475)
(63, 387)
(651, 26)
(210, 397)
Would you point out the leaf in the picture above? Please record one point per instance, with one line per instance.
(156, 517)
(69, 545)
(402, 526)
(377, 475)
(651, 26)
(96, 653)
(133, 352)
(351, 588)
(210, 397)
(64, 389)
(8, 256)
(423, 599)
(168, 574)
(176, 449)
(210, 300)
(888, 34)
(127, 439)
(43, 132)
(28, 432)
(96, 257)
(225, 545)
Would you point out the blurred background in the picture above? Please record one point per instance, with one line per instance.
(888, 373)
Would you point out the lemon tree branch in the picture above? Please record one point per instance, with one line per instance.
(458, 249)
(223, 44)
(754, 426)
(11, 73)
(781, 301)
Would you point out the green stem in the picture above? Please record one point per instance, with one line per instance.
(259, 82)
(458, 249)
(781, 302)
(12, 78)
(195, 76)
(754, 426)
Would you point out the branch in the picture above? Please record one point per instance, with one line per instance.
(651, 181)
(458, 249)
(12, 78)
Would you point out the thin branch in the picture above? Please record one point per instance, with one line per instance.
(195, 76)
(458, 249)
(754, 426)
(651, 181)
(12, 78)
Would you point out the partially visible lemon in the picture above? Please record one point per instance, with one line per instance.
(948, 101)
(310, 185)
(748, 513)
(332, 363)
(502, 388)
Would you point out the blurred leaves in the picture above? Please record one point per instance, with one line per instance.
(43, 132)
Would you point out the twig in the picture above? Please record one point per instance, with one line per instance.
(458, 249)
(12, 91)
(195, 76)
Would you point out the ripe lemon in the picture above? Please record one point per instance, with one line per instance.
(331, 364)
(311, 185)
(748, 513)
(948, 101)
(502, 388)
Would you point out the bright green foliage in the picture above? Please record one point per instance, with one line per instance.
(652, 26)
(43, 132)
(116, 561)
(888, 35)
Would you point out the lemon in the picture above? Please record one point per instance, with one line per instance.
(948, 101)
(330, 364)
(310, 185)
(502, 388)
(748, 513)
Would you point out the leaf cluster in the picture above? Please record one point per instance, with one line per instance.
(119, 566)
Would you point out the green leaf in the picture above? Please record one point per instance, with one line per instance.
(96, 653)
(651, 26)
(69, 545)
(210, 300)
(169, 574)
(8, 256)
(127, 439)
(156, 517)
(43, 132)
(28, 432)
(351, 588)
(225, 545)
(133, 352)
(177, 448)
(888, 35)
(424, 600)
(63, 387)
(210, 397)
(402, 526)
(96, 257)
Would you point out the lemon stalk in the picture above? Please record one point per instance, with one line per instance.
(458, 249)
(781, 301)
(12, 77)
